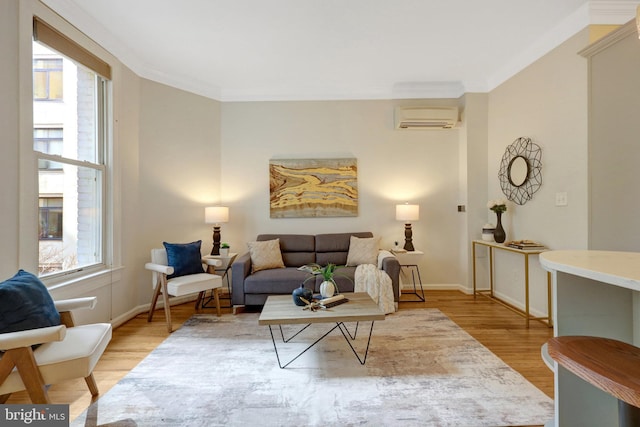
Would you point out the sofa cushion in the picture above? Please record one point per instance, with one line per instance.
(276, 281)
(265, 255)
(333, 247)
(25, 303)
(363, 251)
(185, 258)
(296, 249)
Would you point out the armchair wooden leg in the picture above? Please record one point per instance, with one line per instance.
(6, 366)
(30, 374)
(217, 299)
(199, 299)
(154, 300)
(91, 383)
(167, 307)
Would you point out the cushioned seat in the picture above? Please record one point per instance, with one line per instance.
(73, 357)
(185, 285)
(185, 276)
(40, 341)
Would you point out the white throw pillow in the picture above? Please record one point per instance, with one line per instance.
(265, 255)
(363, 251)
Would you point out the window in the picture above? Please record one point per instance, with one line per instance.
(71, 164)
(48, 140)
(47, 79)
(50, 213)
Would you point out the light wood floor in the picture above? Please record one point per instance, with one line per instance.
(496, 327)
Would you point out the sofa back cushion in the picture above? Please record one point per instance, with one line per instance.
(296, 249)
(334, 247)
(363, 251)
(265, 255)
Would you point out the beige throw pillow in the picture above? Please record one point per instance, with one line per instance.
(265, 255)
(363, 251)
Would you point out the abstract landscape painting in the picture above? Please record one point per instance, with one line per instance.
(304, 188)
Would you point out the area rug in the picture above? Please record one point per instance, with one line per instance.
(422, 370)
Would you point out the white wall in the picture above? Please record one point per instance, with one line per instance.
(546, 102)
(9, 137)
(178, 172)
(613, 142)
(393, 167)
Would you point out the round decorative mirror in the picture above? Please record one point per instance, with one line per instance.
(520, 170)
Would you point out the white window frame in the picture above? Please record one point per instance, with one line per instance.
(90, 277)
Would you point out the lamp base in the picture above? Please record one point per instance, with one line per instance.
(216, 240)
(408, 241)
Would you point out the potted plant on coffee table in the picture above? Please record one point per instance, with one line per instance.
(328, 288)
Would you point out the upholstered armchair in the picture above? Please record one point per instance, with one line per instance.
(174, 279)
(34, 358)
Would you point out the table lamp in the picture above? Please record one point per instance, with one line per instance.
(408, 213)
(216, 215)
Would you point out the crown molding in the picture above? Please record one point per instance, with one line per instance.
(593, 12)
(611, 12)
(614, 37)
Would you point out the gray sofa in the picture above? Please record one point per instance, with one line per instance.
(298, 250)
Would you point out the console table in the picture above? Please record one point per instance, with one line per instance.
(489, 292)
(595, 294)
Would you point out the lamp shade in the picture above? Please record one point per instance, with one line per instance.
(216, 214)
(407, 212)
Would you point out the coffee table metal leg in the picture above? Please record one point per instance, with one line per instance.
(303, 351)
(339, 325)
(355, 333)
(294, 335)
(366, 352)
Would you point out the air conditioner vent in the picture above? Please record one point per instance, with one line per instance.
(426, 117)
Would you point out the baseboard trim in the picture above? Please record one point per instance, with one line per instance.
(438, 287)
(144, 308)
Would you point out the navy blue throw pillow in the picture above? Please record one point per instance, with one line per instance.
(185, 258)
(25, 303)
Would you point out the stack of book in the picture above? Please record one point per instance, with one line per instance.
(526, 245)
(333, 301)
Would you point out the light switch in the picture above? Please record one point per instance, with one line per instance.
(561, 199)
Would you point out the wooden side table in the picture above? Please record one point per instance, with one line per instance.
(408, 260)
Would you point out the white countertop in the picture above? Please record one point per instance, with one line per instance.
(617, 268)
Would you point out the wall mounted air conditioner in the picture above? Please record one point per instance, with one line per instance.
(426, 117)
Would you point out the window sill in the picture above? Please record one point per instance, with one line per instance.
(78, 284)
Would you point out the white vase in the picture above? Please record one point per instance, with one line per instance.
(224, 251)
(327, 289)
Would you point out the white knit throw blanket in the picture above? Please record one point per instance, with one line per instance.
(377, 283)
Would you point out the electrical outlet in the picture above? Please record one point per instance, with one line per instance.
(561, 199)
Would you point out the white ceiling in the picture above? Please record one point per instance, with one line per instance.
(235, 50)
